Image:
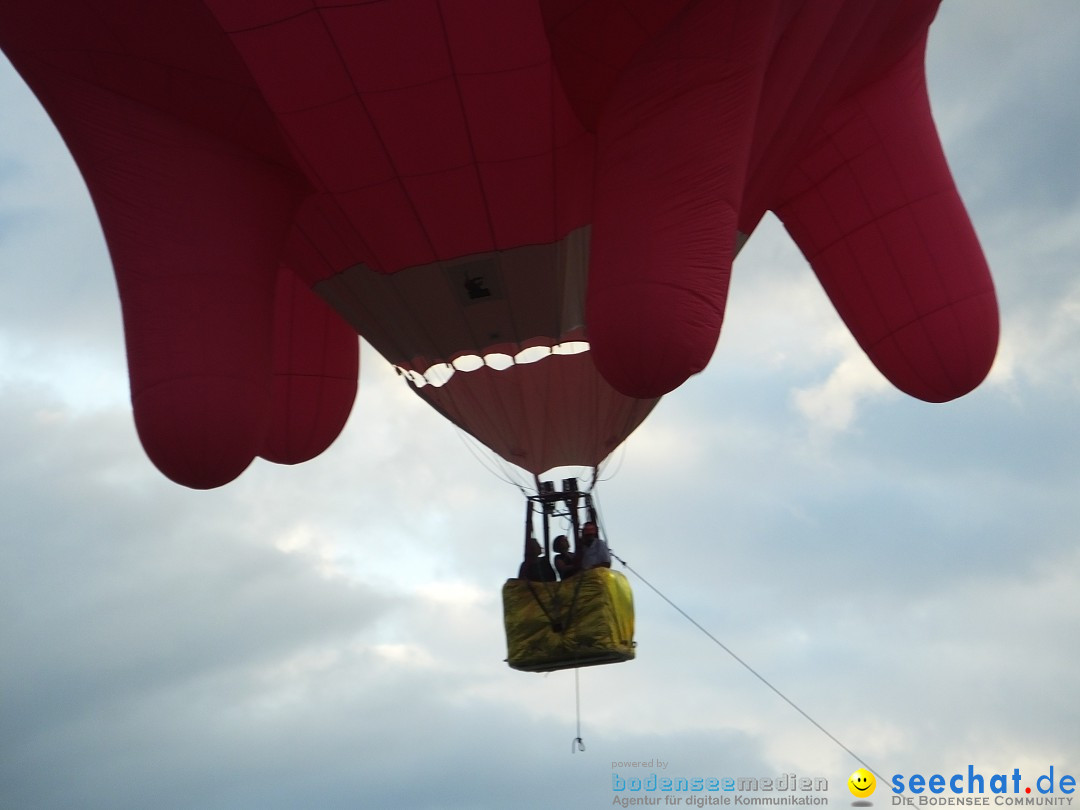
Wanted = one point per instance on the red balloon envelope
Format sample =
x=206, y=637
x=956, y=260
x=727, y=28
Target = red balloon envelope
x=477, y=185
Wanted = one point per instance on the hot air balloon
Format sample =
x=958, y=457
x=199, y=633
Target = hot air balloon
x=503, y=196
x=529, y=207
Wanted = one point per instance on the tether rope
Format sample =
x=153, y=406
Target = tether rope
x=747, y=666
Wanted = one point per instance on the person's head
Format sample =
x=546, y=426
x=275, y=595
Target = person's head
x=561, y=544
x=589, y=533
x=532, y=547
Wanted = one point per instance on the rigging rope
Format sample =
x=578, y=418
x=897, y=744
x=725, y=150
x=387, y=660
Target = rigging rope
x=498, y=466
x=578, y=744
x=749, y=668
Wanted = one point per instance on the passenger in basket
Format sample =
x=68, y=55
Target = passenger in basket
x=535, y=567
x=592, y=549
x=566, y=561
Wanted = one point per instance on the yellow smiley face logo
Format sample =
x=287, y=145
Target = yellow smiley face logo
x=861, y=783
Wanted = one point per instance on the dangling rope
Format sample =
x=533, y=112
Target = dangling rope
x=748, y=668
x=578, y=744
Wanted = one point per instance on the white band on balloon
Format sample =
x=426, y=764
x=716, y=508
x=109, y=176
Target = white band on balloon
x=439, y=374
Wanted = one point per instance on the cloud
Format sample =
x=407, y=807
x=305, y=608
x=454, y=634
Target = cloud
x=998, y=78
x=830, y=407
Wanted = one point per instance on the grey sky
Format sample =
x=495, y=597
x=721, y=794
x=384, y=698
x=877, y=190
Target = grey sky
x=330, y=636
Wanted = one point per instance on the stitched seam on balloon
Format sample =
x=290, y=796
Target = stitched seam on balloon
x=918, y=321
x=706, y=299
x=922, y=315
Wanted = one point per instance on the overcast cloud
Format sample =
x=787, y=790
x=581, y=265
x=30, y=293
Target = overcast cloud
x=329, y=636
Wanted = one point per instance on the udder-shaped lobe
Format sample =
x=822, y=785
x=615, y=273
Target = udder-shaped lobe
x=873, y=206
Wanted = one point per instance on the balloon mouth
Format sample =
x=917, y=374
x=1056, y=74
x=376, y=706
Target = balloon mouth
x=538, y=406
x=440, y=374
